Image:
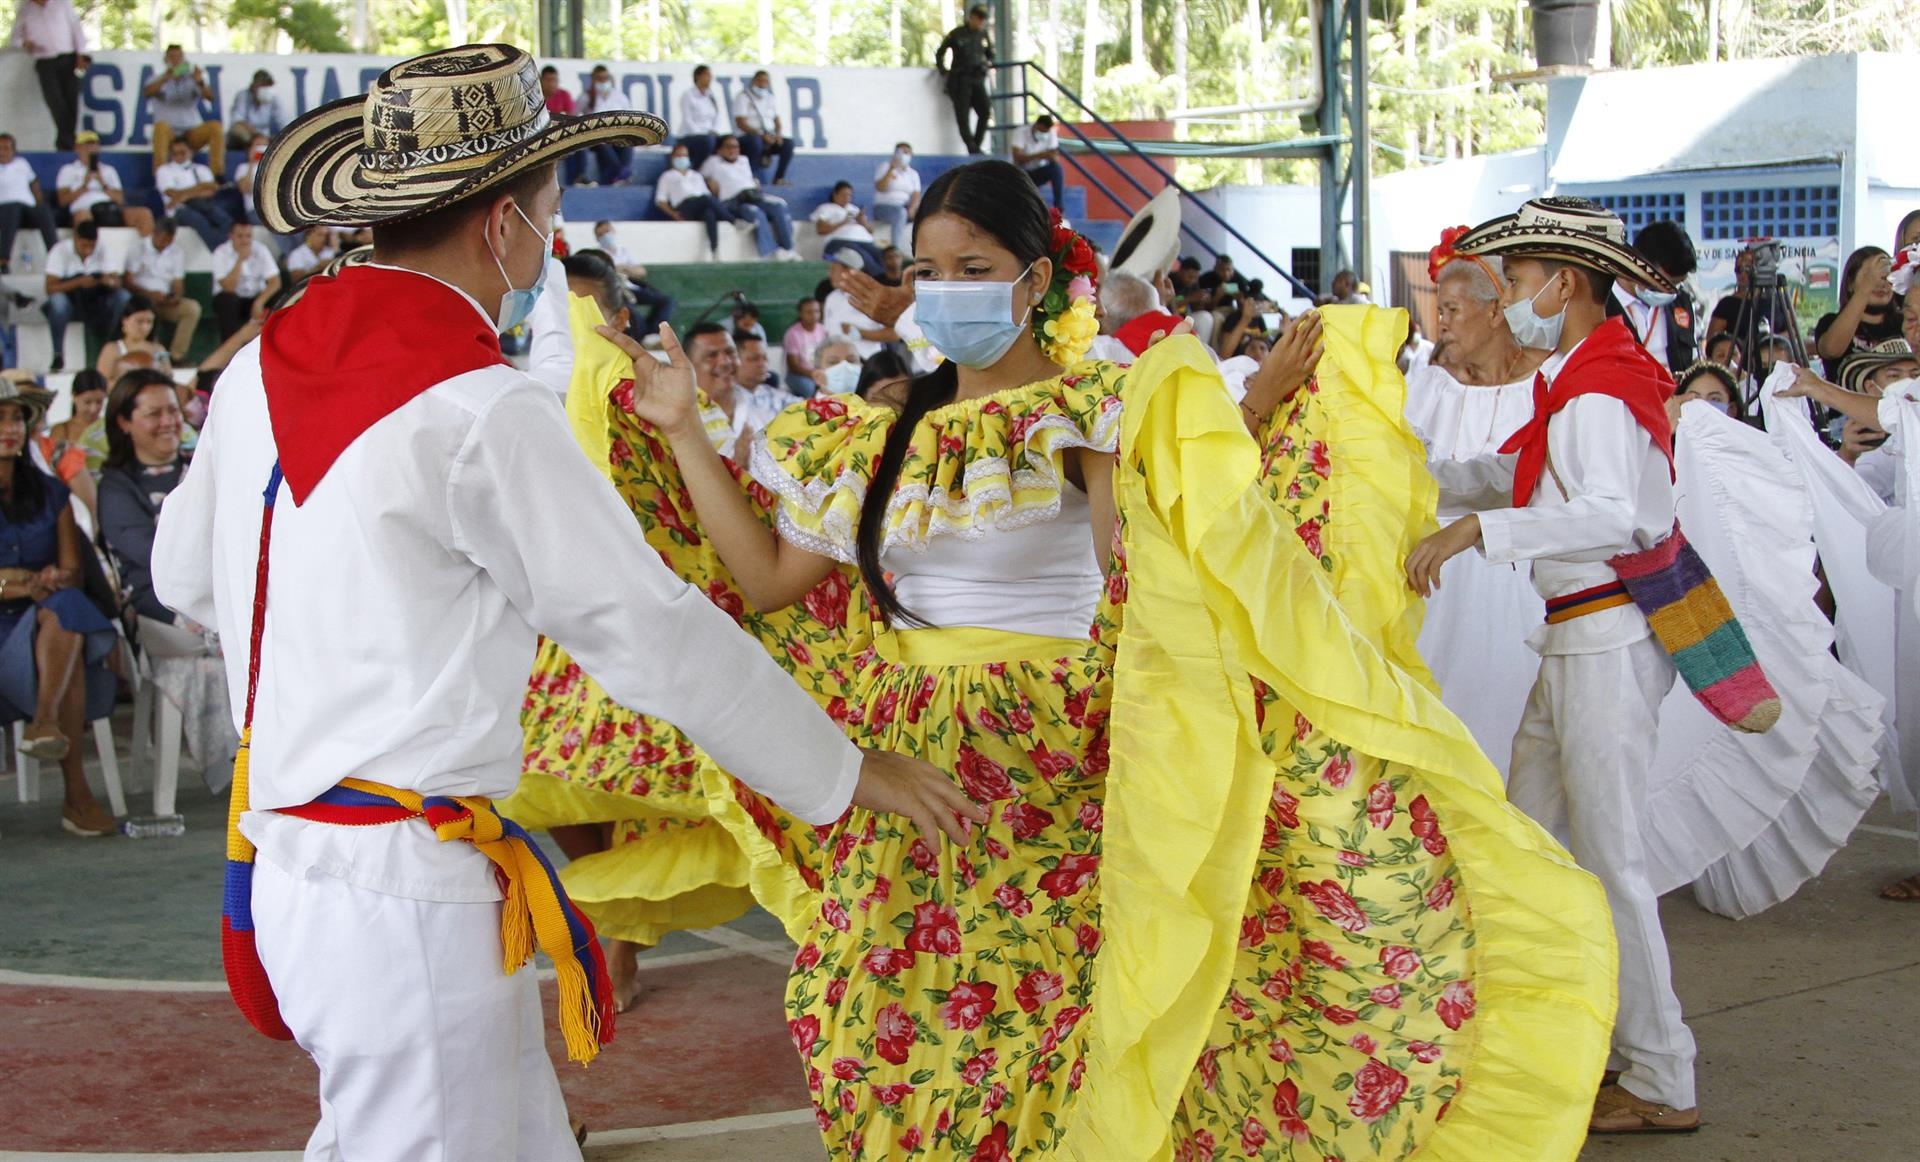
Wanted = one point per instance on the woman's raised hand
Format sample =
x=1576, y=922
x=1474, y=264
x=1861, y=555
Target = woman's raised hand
x=663, y=393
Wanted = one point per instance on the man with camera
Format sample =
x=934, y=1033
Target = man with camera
x=90, y=190
x=176, y=94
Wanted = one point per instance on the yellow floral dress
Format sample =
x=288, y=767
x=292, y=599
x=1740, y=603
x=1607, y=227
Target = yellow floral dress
x=1211, y=917
x=590, y=760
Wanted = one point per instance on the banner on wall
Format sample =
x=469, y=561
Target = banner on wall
x=1809, y=274
x=833, y=110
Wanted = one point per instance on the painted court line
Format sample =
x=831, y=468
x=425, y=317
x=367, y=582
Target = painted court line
x=779, y=954
x=113, y=984
x=1889, y=832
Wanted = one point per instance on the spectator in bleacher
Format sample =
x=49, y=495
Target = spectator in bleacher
x=884, y=380
x=893, y=265
x=243, y=176
x=896, y=192
x=315, y=251
x=612, y=164
x=175, y=95
x=802, y=339
x=88, y=188
x=746, y=317
x=702, y=121
x=22, y=202
x=1036, y=149
x=1346, y=290
x=77, y=446
x=245, y=276
x=80, y=282
x=838, y=363
x=53, y=641
x=756, y=121
x=658, y=303
x=135, y=348
x=731, y=182
x=255, y=113
x=845, y=320
x=49, y=31
x=682, y=194
x=756, y=370
x=965, y=58
x=716, y=370
x=188, y=188
x=1661, y=320
x=1867, y=317
x=845, y=227
x=157, y=271
x=559, y=101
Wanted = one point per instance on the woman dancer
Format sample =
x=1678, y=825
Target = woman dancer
x=1208, y=914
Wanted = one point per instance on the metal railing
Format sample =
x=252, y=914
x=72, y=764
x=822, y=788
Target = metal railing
x=1101, y=147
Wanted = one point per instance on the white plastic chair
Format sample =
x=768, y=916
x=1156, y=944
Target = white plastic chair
x=166, y=779
x=28, y=778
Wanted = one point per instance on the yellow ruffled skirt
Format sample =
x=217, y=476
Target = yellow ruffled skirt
x=1287, y=915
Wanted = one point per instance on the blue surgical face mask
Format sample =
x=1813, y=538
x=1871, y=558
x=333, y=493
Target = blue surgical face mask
x=518, y=302
x=1530, y=330
x=843, y=378
x=1719, y=405
x=970, y=323
x=1654, y=298
x=682, y=161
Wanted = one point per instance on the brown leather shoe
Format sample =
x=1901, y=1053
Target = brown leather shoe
x=1618, y=1111
x=87, y=822
x=44, y=742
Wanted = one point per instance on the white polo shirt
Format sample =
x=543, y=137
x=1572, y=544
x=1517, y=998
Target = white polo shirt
x=700, y=113
x=155, y=271
x=1027, y=141
x=761, y=110
x=64, y=261
x=843, y=221
x=16, y=183
x=730, y=176
x=76, y=175
x=181, y=175
x=900, y=190
x=259, y=267
x=302, y=259
x=677, y=185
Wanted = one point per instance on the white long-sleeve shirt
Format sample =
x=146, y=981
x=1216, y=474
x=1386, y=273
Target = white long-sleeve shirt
x=700, y=113
x=407, y=594
x=53, y=29
x=1618, y=496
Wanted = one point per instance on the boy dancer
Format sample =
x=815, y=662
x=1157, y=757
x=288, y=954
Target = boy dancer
x=1593, y=479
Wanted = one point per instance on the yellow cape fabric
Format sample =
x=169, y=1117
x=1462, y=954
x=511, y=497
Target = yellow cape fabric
x=1222, y=589
x=595, y=365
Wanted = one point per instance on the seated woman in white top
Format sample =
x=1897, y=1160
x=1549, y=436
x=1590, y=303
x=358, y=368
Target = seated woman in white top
x=845, y=226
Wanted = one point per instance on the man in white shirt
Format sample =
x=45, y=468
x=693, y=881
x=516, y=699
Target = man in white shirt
x=1036, y=149
x=80, y=281
x=1593, y=480
x=88, y=187
x=256, y=112
x=702, y=120
x=245, y=276
x=175, y=94
x=188, y=187
x=49, y=31
x=612, y=165
x=731, y=182
x=682, y=195
x=658, y=303
x=756, y=119
x=896, y=192
x=157, y=270
x=430, y=515
x=844, y=320
x=21, y=202
x=716, y=369
x=845, y=228
x=315, y=251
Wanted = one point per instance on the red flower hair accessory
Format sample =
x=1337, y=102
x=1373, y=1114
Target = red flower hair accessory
x=1905, y=264
x=1442, y=254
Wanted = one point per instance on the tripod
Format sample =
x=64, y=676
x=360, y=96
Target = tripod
x=1767, y=299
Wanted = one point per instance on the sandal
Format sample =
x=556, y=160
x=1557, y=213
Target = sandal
x=43, y=743
x=1905, y=891
x=87, y=822
x=1617, y=1111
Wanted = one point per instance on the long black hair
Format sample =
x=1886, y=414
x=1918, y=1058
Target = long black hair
x=29, y=496
x=121, y=401
x=996, y=197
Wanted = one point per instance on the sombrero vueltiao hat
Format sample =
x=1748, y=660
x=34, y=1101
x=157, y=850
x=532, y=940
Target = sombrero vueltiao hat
x=1151, y=241
x=18, y=387
x=359, y=256
x=431, y=131
x=1855, y=368
x=1570, y=230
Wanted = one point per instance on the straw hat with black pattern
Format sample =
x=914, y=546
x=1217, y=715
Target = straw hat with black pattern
x=1570, y=230
x=433, y=130
x=1858, y=365
x=19, y=388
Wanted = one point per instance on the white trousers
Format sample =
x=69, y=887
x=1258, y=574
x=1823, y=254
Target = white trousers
x=1580, y=764
x=428, y=1051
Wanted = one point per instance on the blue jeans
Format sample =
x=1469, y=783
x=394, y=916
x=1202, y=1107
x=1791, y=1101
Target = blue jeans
x=657, y=304
x=706, y=209
x=700, y=147
x=801, y=386
x=207, y=218
x=99, y=308
x=894, y=215
x=862, y=254
x=14, y=215
x=772, y=225
x=611, y=163
x=761, y=156
x=1050, y=173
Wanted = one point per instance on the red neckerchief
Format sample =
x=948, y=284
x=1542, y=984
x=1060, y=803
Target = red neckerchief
x=355, y=348
x=1137, y=335
x=1610, y=362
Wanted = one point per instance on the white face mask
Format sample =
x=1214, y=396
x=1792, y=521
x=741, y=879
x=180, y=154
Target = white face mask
x=1530, y=330
x=604, y=88
x=605, y=240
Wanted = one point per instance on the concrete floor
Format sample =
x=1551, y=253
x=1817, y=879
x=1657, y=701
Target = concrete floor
x=1806, y=1017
